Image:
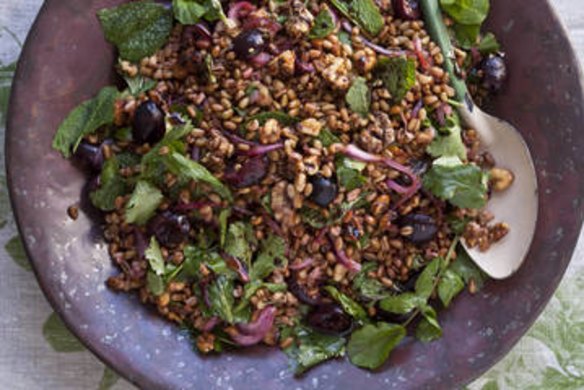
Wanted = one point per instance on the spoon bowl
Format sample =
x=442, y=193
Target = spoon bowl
x=517, y=205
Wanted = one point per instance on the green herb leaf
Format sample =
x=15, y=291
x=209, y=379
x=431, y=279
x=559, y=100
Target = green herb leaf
x=348, y=304
x=138, y=29
x=139, y=84
x=143, y=203
x=154, y=283
x=327, y=138
x=425, y=282
x=448, y=141
x=221, y=297
x=111, y=186
x=362, y=12
x=402, y=304
x=466, y=34
x=467, y=12
x=272, y=249
x=450, y=285
x=223, y=216
x=370, y=346
x=466, y=269
x=59, y=337
x=183, y=166
x=463, y=185
x=398, y=75
x=359, y=97
x=349, y=173
x=366, y=287
x=189, y=11
x=154, y=256
x=85, y=119
x=324, y=24
x=313, y=348
x=428, y=329
x=345, y=38
x=237, y=243
x=15, y=249
x=313, y=217
x=489, y=44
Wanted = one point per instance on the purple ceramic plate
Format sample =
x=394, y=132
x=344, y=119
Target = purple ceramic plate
x=66, y=61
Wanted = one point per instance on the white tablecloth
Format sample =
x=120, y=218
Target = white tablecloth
x=37, y=353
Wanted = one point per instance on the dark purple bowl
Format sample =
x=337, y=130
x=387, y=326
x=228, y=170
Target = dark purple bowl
x=66, y=60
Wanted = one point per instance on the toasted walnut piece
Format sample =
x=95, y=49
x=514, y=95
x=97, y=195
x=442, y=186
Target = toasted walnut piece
x=310, y=127
x=337, y=73
x=500, y=179
x=206, y=342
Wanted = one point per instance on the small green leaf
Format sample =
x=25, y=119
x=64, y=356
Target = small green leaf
x=16, y=251
x=398, y=75
x=489, y=44
x=154, y=256
x=111, y=186
x=154, y=283
x=359, y=97
x=466, y=34
x=221, y=297
x=327, y=138
x=139, y=84
x=324, y=24
x=402, y=304
x=365, y=13
x=108, y=379
x=348, y=304
x=428, y=329
x=143, y=203
x=468, y=12
x=425, y=282
x=313, y=348
x=273, y=248
x=450, y=285
x=237, y=243
x=349, y=173
x=59, y=337
x=463, y=185
x=223, y=216
x=466, y=269
x=368, y=288
x=370, y=346
x=189, y=11
x=138, y=29
x=448, y=141
x=85, y=119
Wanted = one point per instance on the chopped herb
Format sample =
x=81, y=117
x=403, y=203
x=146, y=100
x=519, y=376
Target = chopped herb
x=428, y=329
x=467, y=12
x=348, y=304
x=450, y=285
x=426, y=280
x=85, y=119
x=324, y=24
x=237, y=243
x=463, y=185
x=138, y=29
x=489, y=44
x=223, y=216
x=398, y=75
x=365, y=13
x=358, y=97
x=111, y=186
x=143, y=203
x=154, y=256
x=345, y=38
x=466, y=269
x=370, y=346
x=221, y=297
x=448, y=141
x=349, y=173
x=369, y=288
x=272, y=249
x=466, y=35
x=139, y=84
x=327, y=138
x=402, y=304
x=209, y=69
x=154, y=283
x=312, y=348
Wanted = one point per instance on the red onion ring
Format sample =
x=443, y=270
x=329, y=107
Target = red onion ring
x=254, y=332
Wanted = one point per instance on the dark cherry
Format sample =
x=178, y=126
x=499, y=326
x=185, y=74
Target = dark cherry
x=324, y=190
x=90, y=156
x=494, y=72
x=170, y=229
x=329, y=318
x=248, y=44
x=424, y=227
x=407, y=9
x=149, y=123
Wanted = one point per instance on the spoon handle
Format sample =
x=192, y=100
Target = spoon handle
x=435, y=26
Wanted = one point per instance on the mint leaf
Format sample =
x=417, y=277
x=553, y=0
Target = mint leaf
x=138, y=29
x=466, y=12
x=348, y=304
x=366, y=287
x=428, y=329
x=324, y=24
x=327, y=138
x=111, y=186
x=180, y=165
x=237, y=242
x=359, y=97
x=398, y=75
x=189, y=11
x=139, y=84
x=154, y=283
x=370, y=346
x=466, y=269
x=221, y=297
x=466, y=34
x=273, y=248
x=450, y=285
x=362, y=12
x=448, y=141
x=85, y=119
x=349, y=173
x=489, y=44
x=463, y=185
x=312, y=348
x=402, y=304
x=313, y=217
x=143, y=203
x=154, y=256
x=425, y=282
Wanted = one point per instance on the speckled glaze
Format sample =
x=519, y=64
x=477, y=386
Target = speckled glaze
x=66, y=60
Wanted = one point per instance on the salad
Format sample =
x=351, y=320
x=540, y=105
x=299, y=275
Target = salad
x=292, y=173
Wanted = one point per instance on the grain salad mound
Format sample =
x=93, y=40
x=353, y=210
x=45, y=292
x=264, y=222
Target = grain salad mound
x=291, y=173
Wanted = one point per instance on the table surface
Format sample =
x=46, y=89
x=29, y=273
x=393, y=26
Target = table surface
x=38, y=353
